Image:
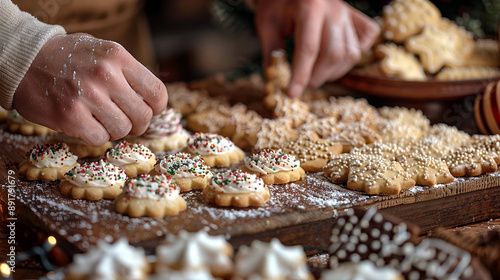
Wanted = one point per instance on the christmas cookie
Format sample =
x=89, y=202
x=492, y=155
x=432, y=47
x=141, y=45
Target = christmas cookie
x=272, y=133
x=217, y=120
x=165, y=133
x=134, y=159
x=188, y=172
x=215, y=149
x=274, y=167
x=150, y=196
x=93, y=181
x=17, y=124
x=48, y=162
x=425, y=170
x=79, y=147
x=398, y=63
x=469, y=161
x=236, y=188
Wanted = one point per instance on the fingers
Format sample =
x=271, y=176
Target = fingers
x=307, y=43
x=83, y=125
x=268, y=30
x=366, y=28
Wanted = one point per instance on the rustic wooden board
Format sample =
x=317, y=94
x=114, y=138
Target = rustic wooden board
x=298, y=213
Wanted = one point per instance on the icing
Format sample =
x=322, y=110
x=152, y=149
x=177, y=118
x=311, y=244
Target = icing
x=194, y=251
x=110, y=261
x=51, y=155
x=271, y=161
x=127, y=153
x=236, y=181
x=365, y=270
x=271, y=261
x=96, y=174
x=151, y=187
x=182, y=165
x=164, y=125
x=209, y=144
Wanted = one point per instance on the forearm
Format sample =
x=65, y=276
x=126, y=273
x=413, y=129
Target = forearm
x=21, y=38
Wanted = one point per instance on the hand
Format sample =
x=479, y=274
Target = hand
x=329, y=38
x=89, y=88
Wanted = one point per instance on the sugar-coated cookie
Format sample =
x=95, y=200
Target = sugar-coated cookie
x=237, y=189
x=187, y=171
x=273, y=133
x=150, y=196
x=133, y=158
x=426, y=170
x=93, y=181
x=398, y=63
x=215, y=149
x=48, y=162
x=274, y=167
x=469, y=161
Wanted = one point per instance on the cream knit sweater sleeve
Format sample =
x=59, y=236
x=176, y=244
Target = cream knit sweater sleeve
x=21, y=38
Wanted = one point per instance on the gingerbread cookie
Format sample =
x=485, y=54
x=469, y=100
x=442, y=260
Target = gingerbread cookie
x=93, y=181
x=134, y=159
x=79, y=147
x=398, y=63
x=274, y=167
x=405, y=18
x=48, y=162
x=165, y=133
x=215, y=149
x=187, y=171
x=150, y=196
x=313, y=152
x=272, y=134
x=237, y=189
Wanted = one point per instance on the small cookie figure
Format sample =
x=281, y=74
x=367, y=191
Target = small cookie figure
x=195, y=252
x=215, y=149
x=188, y=172
x=236, y=188
x=165, y=133
x=94, y=181
x=469, y=161
x=274, y=167
x=271, y=261
x=48, y=162
x=150, y=196
x=134, y=159
x=109, y=261
x=398, y=63
x=365, y=270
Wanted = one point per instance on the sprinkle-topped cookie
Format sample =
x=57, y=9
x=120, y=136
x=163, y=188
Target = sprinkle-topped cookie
x=127, y=153
x=182, y=165
x=235, y=181
x=164, y=125
x=96, y=174
x=51, y=155
x=151, y=187
x=209, y=144
x=271, y=161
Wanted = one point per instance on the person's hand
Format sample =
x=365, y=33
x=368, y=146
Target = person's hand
x=329, y=38
x=89, y=88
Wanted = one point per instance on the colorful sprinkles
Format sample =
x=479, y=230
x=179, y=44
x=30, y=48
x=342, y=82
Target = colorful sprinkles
x=236, y=181
x=96, y=174
x=58, y=154
x=209, y=144
x=271, y=161
x=125, y=152
x=166, y=124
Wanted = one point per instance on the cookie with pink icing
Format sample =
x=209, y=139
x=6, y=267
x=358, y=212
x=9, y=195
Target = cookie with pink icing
x=133, y=158
x=165, y=133
x=215, y=149
x=94, y=181
x=274, y=167
x=151, y=196
x=237, y=189
x=188, y=172
x=47, y=162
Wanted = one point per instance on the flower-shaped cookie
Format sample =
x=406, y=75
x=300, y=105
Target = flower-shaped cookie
x=134, y=159
x=215, y=149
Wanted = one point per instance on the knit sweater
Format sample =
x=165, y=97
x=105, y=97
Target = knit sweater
x=21, y=38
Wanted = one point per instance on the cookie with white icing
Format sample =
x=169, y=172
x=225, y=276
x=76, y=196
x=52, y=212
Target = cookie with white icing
x=133, y=158
x=274, y=167
x=109, y=261
x=93, y=181
x=79, y=147
x=188, y=172
x=195, y=252
x=271, y=260
x=237, y=189
x=215, y=149
x=165, y=133
x=48, y=162
x=150, y=196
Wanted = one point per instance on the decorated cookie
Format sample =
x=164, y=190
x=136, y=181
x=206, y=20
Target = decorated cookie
x=17, y=124
x=291, y=108
x=398, y=63
x=217, y=120
x=274, y=167
x=345, y=109
x=468, y=73
x=182, y=99
x=48, y=162
x=425, y=170
x=79, y=147
x=215, y=149
x=271, y=261
x=165, y=133
x=365, y=270
x=109, y=261
x=237, y=189
x=272, y=133
x=150, y=196
x=246, y=129
x=468, y=161
x=134, y=159
x=405, y=18
x=195, y=252
x=313, y=152
x=187, y=171
x=93, y=181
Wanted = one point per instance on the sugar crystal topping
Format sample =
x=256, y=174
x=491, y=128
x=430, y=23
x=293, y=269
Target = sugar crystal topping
x=236, y=181
x=96, y=174
x=51, y=155
x=182, y=165
x=271, y=161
